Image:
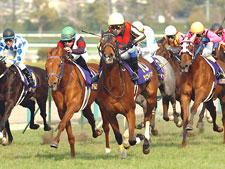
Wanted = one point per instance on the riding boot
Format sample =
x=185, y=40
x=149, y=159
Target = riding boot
x=96, y=77
x=134, y=67
x=80, y=61
x=29, y=77
x=219, y=74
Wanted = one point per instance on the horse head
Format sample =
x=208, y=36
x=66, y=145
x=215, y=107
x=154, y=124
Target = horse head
x=186, y=54
x=108, y=47
x=54, y=66
x=162, y=51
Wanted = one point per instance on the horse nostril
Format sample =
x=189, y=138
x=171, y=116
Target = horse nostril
x=186, y=66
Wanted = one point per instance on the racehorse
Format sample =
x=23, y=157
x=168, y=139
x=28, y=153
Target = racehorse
x=220, y=53
x=13, y=91
x=116, y=93
x=70, y=93
x=167, y=86
x=175, y=64
x=198, y=84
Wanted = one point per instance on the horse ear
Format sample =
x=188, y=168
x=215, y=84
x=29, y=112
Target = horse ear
x=48, y=52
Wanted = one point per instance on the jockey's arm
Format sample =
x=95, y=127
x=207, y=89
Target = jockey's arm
x=80, y=46
x=1, y=48
x=139, y=36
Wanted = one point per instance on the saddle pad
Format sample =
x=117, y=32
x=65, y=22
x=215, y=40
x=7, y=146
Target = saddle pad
x=215, y=69
x=34, y=77
x=160, y=70
x=144, y=72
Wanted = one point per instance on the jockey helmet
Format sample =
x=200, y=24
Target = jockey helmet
x=116, y=19
x=138, y=25
x=216, y=27
x=67, y=33
x=197, y=27
x=8, y=34
x=170, y=30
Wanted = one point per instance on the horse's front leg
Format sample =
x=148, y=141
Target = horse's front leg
x=71, y=138
x=65, y=118
x=185, y=101
x=90, y=117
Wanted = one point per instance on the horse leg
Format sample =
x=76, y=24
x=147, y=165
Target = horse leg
x=89, y=115
x=71, y=138
x=208, y=117
x=8, y=132
x=212, y=109
x=141, y=101
x=154, y=131
x=30, y=104
x=115, y=126
x=165, y=101
x=175, y=114
x=131, y=123
x=185, y=101
x=71, y=108
x=42, y=105
x=200, y=123
x=194, y=108
x=223, y=116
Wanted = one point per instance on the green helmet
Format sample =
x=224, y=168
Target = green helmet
x=67, y=33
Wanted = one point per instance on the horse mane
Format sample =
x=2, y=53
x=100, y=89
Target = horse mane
x=61, y=52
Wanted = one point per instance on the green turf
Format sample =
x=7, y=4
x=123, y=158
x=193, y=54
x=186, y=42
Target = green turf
x=204, y=151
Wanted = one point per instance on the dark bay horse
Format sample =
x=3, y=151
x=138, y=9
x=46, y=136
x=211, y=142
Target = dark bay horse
x=116, y=94
x=198, y=84
x=12, y=92
x=70, y=93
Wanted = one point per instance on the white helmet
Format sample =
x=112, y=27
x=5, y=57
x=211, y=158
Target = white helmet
x=138, y=25
x=116, y=19
x=170, y=30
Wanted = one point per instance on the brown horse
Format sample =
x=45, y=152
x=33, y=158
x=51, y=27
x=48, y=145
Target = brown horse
x=69, y=92
x=197, y=84
x=115, y=94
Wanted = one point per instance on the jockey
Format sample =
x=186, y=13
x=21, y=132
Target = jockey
x=128, y=36
x=17, y=47
x=75, y=46
x=206, y=38
x=173, y=39
x=218, y=29
x=149, y=46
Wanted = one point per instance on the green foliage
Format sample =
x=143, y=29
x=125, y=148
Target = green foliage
x=42, y=53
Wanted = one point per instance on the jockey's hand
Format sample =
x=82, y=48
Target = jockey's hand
x=222, y=43
x=8, y=64
x=68, y=50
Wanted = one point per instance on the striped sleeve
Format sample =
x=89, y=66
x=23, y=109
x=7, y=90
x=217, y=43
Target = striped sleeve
x=139, y=36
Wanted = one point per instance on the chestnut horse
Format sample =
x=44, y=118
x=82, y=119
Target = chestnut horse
x=70, y=93
x=13, y=91
x=198, y=85
x=115, y=94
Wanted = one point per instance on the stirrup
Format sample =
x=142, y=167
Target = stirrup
x=219, y=75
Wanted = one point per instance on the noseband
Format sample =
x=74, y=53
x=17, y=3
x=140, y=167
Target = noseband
x=61, y=69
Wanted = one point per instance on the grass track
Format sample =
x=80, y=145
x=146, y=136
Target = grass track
x=204, y=151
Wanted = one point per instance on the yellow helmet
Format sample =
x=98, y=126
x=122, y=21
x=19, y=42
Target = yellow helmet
x=138, y=25
x=116, y=19
x=197, y=27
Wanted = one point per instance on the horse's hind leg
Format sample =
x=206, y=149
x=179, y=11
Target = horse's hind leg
x=71, y=138
x=42, y=105
x=30, y=104
x=175, y=114
x=223, y=115
x=165, y=101
x=8, y=131
x=89, y=115
x=212, y=109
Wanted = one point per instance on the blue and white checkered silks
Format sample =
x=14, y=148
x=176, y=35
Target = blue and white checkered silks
x=15, y=53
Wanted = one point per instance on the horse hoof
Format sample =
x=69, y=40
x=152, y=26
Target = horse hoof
x=189, y=127
x=139, y=126
x=4, y=141
x=47, y=128
x=218, y=129
x=34, y=126
x=184, y=144
x=97, y=133
x=54, y=145
x=166, y=118
x=132, y=142
x=141, y=136
x=107, y=150
x=154, y=132
x=146, y=147
x=179, y=124
x=126, y=145
x=209, y=120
